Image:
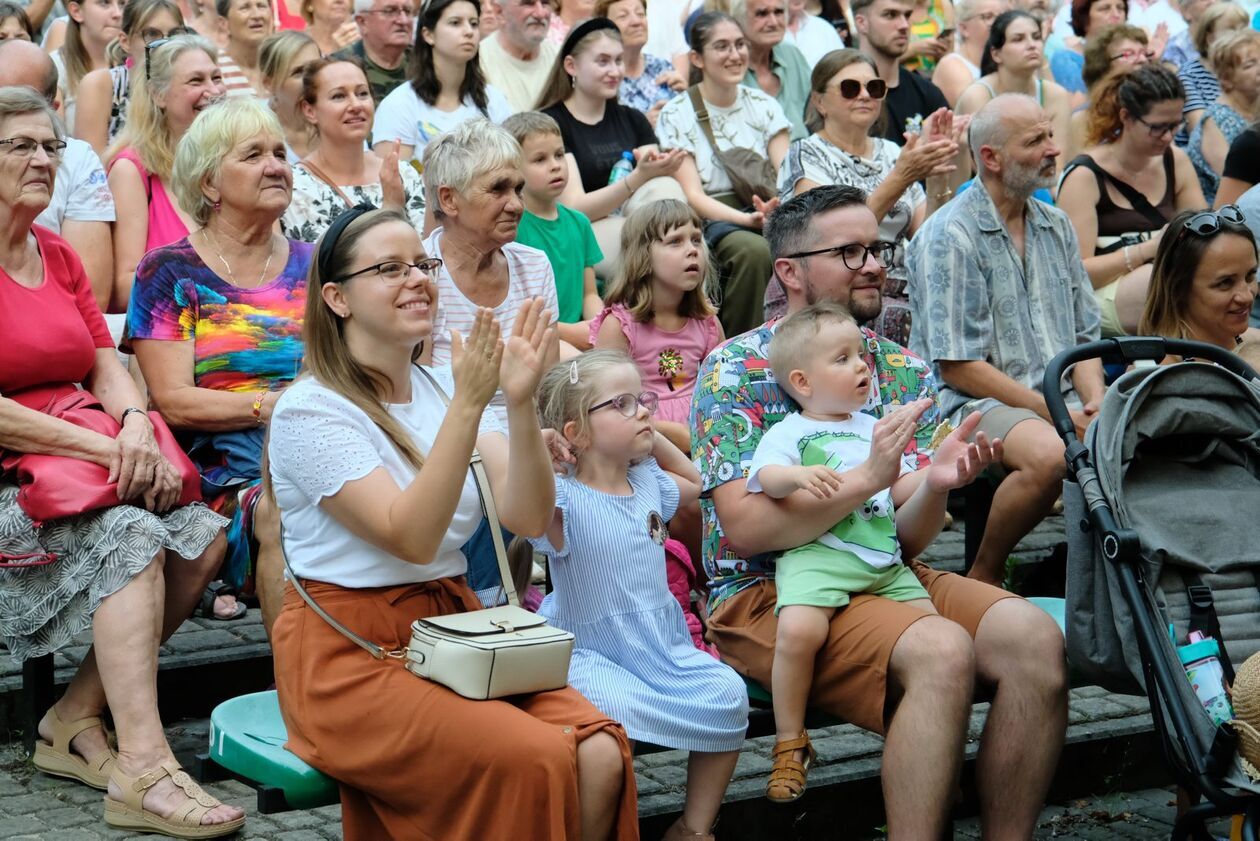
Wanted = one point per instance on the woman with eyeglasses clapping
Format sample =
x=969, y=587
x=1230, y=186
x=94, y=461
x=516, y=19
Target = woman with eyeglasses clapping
x=1123, y=189
x=846, y=101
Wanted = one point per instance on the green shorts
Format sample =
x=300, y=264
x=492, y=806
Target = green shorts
x=820, y=576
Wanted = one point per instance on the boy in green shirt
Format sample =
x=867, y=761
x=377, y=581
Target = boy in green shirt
x=563, y=234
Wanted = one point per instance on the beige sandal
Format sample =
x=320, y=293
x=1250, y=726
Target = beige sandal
x=185, y=822
x=679, y=832
x=787, y=776
x=59, y=760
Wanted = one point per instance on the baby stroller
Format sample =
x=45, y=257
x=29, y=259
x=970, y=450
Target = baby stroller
x=1161, y=504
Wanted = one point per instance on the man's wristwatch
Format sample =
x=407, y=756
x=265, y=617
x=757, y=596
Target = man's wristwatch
x=127, y=411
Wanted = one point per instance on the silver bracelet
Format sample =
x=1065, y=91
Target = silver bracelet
x=1128, y=263
x=122, y=421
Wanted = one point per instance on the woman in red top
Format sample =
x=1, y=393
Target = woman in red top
x=123, y=571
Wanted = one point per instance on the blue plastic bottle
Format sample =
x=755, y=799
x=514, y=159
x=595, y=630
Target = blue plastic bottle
x=622, y=168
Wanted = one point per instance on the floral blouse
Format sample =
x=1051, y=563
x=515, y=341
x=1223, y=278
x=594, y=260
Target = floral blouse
x=642, y=92
x=315, y=204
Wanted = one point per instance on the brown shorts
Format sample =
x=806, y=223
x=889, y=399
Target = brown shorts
x=851, y=679
x=1000, y=420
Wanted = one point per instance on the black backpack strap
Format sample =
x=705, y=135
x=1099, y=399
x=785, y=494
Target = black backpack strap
x=1203, y=616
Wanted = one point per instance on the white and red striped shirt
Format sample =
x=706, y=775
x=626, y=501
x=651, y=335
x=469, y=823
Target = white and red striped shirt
x=529, y=276
x=234, y=79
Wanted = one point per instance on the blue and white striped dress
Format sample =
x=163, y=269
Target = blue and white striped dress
x=634, y=658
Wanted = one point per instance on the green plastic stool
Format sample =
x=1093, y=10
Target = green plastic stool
x=247, y=736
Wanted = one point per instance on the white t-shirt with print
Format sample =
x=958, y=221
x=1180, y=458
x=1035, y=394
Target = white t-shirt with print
x=320, y=441
x=750, y=123
x=529, y=276
x=869, y=532
x=403, y=116
x=81, y=190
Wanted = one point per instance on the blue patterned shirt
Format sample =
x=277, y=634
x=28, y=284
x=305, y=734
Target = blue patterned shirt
x=642, y=92
x=974, y=298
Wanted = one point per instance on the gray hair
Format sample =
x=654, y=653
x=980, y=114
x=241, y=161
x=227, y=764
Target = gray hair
x=738, y=9
x=22, y=66
x=19, y=100
x=461, y=156
x=211, y=136
x=989, y=125
x=362, y=7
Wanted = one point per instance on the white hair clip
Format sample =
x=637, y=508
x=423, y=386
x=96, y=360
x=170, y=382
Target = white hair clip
x=573, y=377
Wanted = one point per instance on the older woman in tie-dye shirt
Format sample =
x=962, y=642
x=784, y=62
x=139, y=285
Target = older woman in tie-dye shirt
x=216, y=320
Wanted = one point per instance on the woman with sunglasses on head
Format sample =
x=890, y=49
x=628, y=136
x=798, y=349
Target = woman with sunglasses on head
x=181, y=78
x=447, y=86
x=340, y=172
x=92, y=27
x=1203, y=283
x=1129, y=182
x=845, y=104
x=1236, y=60
x=1012, y=63
x=102, y=111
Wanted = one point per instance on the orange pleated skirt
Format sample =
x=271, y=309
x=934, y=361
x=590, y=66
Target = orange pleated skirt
x=415, y=760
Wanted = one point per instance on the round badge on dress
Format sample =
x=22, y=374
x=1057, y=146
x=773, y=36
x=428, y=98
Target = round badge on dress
x=657, y=528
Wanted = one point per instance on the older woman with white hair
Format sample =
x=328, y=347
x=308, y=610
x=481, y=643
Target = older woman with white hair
x=216, y=318
x=116, y=551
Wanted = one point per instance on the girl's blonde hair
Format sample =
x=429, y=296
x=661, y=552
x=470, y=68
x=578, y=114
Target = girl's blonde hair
x=278, y=52
x=146, y=129
x=570, y=388
x=135, y=15
x=632, y=285
x=328, y=359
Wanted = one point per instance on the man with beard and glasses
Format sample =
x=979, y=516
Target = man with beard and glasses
x=889, y=667
x=517, y=59
x=997, y=288
x=884, y=30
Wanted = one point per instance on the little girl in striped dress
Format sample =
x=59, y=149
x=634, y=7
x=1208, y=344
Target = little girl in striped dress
x=634, y=658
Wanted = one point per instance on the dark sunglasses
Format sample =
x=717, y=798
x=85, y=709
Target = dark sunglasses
x=852, y=88
x=1208, y=222
x=150, y=46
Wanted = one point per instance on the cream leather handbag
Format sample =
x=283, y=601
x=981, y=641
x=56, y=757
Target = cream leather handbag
x=481, y=654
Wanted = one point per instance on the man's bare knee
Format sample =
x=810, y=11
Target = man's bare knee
x=1034, y=448
x=936, y=651
x=1019, y=641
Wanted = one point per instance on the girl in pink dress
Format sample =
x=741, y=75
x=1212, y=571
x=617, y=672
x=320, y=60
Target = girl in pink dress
x=657, y=309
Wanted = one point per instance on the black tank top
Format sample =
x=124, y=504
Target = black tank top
x=1117, y=224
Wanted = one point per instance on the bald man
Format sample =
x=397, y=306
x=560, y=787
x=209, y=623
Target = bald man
x=997, y=289
x=82, y=207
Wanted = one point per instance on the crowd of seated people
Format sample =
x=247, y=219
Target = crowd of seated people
x=271, y=275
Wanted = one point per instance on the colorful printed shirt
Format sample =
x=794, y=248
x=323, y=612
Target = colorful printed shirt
x=244, y=339
x=737, y=399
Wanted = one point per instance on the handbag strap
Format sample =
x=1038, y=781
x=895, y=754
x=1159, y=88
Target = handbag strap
x=323, y=176
x=487, y=505
x=377, y=651
x=702, y=117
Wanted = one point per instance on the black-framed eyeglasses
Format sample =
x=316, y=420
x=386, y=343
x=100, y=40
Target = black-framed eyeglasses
x=628, y=404
x=852, y=88
x=854, y=254
x=24, y=147
x=151, y=36
x=396, y=272
x=1208, y=222
x=1158, y=130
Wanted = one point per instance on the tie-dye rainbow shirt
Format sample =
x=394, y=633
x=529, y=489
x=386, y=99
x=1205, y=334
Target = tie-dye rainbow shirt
x=244, y=339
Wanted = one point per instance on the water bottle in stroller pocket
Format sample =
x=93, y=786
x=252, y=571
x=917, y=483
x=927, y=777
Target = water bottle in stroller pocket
x=1201, y=660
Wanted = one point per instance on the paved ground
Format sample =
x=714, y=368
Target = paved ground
x=36, y=807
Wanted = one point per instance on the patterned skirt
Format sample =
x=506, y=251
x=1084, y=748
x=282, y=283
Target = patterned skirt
x=43, y=607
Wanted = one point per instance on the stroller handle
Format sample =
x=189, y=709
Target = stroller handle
x=1127, y=349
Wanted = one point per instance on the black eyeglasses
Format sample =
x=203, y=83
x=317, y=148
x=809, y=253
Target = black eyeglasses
x=149, y=36
x=1158, y=130
x=854, y=254
x=852, y=88
x=396, y=272
x=628, y=404
x=1208, y=222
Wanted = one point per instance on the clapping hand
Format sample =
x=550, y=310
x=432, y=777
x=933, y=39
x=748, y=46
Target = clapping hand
x=762, y=208
x=393, y=196
x=475, y=362
x=957, y=463
x=889, y=441
x=531, y=349
x=656, y=163
x=346, y=34
x=922, y=158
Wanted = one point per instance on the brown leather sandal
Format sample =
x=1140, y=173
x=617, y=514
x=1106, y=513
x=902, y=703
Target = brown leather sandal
x=787, y=776
x=56, y=758
x=184, y=822
x=679, y=832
